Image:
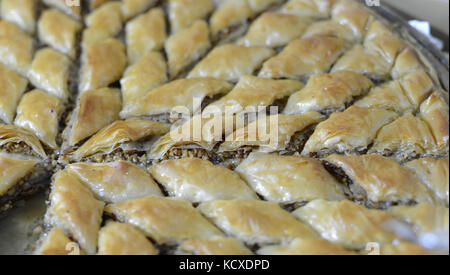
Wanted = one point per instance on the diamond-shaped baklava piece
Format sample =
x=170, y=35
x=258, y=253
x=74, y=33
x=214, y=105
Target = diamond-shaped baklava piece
x=145, y=33
x=377, y=181
x=50, y=72
x=167, y=221
x=131, y=8
x=328, y=93
x=434, y=174
x=214, y=246
x=116, y=181
x=198, y=180
x=20, y=12
x=305, y=247
x=59, y=31
x=425, y=218
x=12, y=87
x=120, y=135
x=406, y=138
x=102, y=64
x=273, y=133
x=289, y=179
x=56, y=243
x=39, y=112
x=183, y=13
x=230, y=62
x=124, y=239
x=16, y=48
x=406, y=62
x=74, y=209
x=181, y=92
x=186, y=47
x=95, y=109
x=310, y=8
x=255, y=222
x=254, y=92
x=141, y=77
x=304, y=57
x=351, y=131
x=72, y=8
x=347, y=223
x=330, y=28
x=352, y=16
x=17, y=140
x=273, y=29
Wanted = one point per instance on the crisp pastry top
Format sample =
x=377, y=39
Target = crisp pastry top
x=95, y=109
x=355, y=128
x=304, y=57
x=122, y=131
x=132, y=8
x=255, y=222
x=39, y=113
x=16, y=48
x=20, y=12
x=262, y=133
x=380, y=179
x=305, y=247
x=289, y=179
x=406, y=62
x=12, y=170
x=123, y=239
x=145, y=33
x=12, y=87
x=56, y=242
x=73, y=10
x=181, y=92
x=74, y=209
x=214, y=246
x=10, y=134
x=230, y=62
x=198, y=180
x=310, y=8
x=183, y=13
x=332, y=220
x=115, y=182
x=328, y=92
x=434, y=174
x=167, y=221
x=254, y=92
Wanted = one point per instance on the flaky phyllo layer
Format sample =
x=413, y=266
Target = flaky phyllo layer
x=221, y=127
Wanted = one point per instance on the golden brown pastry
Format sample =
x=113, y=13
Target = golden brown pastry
x=350, y=131
x=305, y=247
x=93, y=4
x=254, y=92
x=106, y=21
x=50, y=72
x=145, y=33
x=274, y=29
x=304, y=57
x=229, y=62
x=183, y=13
x=12, y=87
x=379, y=181
x=214, y=246
x=333, y=219
x=330, y=28
x=198, y=180
x=16, y=48
x=56, y=243
x=270, y=133
x=434, y=174
x=141, y=77
x=95, y=109
x=310, y=8
x=12, y=170
x=20, y=12
x=18, y=140
x=181, y=92
x=406, y=62
x=120, y=132
x=39, y=112
x=59, y=31
x=102, y=64
x=131, y=8
x=116, y=181
x=417, y=86
x=255, y=222
x=72, y=10
x=289, y=179
x=328, y=93
x=187, y=46
x=167, y=221
x=123, y=239
x=352, y=16
x=74, y=209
